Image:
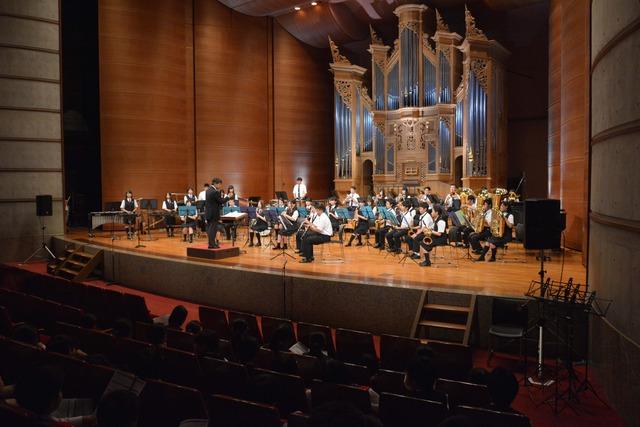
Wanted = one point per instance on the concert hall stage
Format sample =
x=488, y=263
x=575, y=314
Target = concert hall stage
x=370, y=290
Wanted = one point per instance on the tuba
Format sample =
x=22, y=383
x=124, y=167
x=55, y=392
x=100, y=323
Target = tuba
x=477, y=222
x=497, y=223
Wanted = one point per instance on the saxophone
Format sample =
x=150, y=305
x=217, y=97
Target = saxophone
x=497, y=223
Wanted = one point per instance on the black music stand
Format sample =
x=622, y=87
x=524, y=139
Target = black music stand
x=148, y=205
x=112, y=207
x=281, y=195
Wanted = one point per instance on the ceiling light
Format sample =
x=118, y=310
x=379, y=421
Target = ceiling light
x=297, y=8
x=314, y=3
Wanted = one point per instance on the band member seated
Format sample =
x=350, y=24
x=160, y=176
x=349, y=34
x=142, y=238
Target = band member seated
x=170, y=207
x=129, y=206
x=203, y=194
x=317, y=231
x=397, y=233
x=229, y=228
x=231, y=195
x=351, y=201
x=494, y=242
x=287, y=226
x=438, y=234
x=311, y=214
x=189, y=223
x=462, y=232
x=404, y=194
x=258, y=225
x=482, y=235
x=381, y=233
x=336, y=221
x=213, y=205
x=425, y=222
x=190, y=197
x=452, y=201
x=299, y=190
x=362, y=227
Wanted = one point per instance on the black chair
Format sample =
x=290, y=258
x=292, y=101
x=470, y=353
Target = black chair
x=325, y=392
x=214, y=319
x=490, y=418
x=509, y=321
x=289, y=395
x=396, y=351
x=271, y=324
x=386, y=381
x=165, y=404
x=463, y=393
x=354, y=346
x=404, y=411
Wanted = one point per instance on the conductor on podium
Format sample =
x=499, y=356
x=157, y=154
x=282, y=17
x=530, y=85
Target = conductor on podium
x=212, y=207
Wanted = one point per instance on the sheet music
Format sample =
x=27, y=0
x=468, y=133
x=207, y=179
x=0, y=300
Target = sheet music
x=234, y=215
x=125, y=381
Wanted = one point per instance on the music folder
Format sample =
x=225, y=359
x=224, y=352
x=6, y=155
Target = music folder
x=187, y=210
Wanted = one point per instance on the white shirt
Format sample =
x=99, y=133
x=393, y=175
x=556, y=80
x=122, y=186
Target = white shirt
x=164, y=205
x=426, y=221
x=323, y=223
x=299, y=191
x=448, y=201
x=202, y=195
x=185, y=197
x=353, y=199
x=510, y=219
x=135, y=204
x=441, y=226
x=487, y=218
x=407, y=220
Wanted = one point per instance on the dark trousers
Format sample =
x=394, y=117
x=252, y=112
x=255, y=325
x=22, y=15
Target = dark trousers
x=310, y=239
x=475, y=238
x=394, y=238
x=381, y=233
x=435, y=241
x=499, y=242
x=212, y=230
x=415, y=241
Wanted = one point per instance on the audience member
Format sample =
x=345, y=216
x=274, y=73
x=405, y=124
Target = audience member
x=281, y=340
x=27, y=334
x=177, y=317
x=119, y=408
x=246, y=349
x=478, y=376
x=503, y=389
x=157, y=335
x=193, y=327
x=121, y=328
x=420, y=378
x=317, y=345
x=207, y=344
x=341, y=414
x=335, y=371
x=88, y=321
x=64, y=344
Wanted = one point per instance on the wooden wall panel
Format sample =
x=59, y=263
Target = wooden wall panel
x=232, y=98
x=146, y=94
x=568, y=114
x=302, y=114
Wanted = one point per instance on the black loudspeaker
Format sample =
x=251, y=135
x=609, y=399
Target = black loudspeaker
x=542, y=224
x=44, y=205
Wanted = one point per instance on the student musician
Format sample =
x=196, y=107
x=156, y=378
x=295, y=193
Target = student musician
x=438, y=234
x=494, y=242
x=299, y=190
x=190, y=197
x=231, y=194
x=470, y=213
x=425, y=222
x=380, y=197
x=203, y=194
x=404, y=195
x=336, y=221
x=381, y=233
x=170, y=207
x=362, y=226
x=129, y=206
x=482, y=235
x=317, y=231
x=397, y=233
x=351, y=201
x=259, y=225
x=287, y=226
x=311, y=214
x=189, y=223
x=230, y=228
x=450, y=203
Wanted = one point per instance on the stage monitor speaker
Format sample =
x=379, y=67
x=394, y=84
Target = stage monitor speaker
x=44, y=205
x=542, y=224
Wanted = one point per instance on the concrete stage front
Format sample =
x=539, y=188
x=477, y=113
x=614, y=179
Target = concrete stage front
x=370, y=291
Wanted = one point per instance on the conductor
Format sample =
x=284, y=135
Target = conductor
x=213, y=204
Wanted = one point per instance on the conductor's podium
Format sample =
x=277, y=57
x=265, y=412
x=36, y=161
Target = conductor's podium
x=202, y=251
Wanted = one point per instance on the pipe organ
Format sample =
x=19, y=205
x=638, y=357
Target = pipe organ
x=436, y=115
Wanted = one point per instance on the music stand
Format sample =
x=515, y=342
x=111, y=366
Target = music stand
x=253, y=200
x=148, y=205
x=367, y=212
x=281, y=195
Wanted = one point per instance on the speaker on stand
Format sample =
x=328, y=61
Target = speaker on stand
x=44, y=208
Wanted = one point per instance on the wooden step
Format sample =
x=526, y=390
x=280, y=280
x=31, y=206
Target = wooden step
x=443, y=307
x=84, y=254
x=443, y=325
x=76, y=263
x=68, y=271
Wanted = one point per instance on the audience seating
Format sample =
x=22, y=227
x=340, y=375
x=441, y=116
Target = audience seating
x=358, y=374
x=297, y=419
x=89, y=340
x=180, y=340
x=324, y=392
x=252, y=322
x=402, y=411
x=16, y=417
x=232, y=412
x=395, y=351
x=214, y=319
x=451, y=361
x=290, y=394
x=463, y=393
x=306, y=329
x=6, y=324
x=386, y=381
x=179, y=367
x=354, y=346
x=223, y=377
x=165, y=404
x=490, y=418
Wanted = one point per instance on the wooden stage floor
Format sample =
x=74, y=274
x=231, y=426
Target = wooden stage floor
x=452, y=270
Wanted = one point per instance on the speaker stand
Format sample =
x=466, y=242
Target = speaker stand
x=43, y=247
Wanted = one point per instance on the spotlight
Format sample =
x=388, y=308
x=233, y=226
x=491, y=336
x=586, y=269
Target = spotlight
x=314, y=3
x=297, y=8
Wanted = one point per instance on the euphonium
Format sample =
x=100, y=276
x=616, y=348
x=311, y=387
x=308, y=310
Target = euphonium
x=497, y=223
x=478, y=222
